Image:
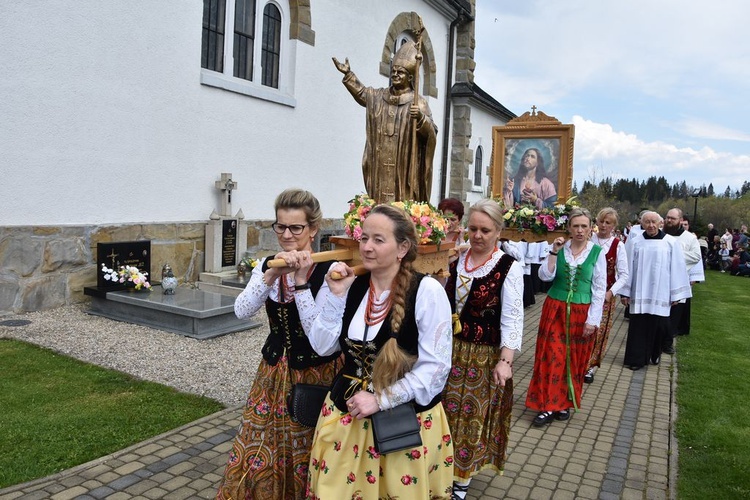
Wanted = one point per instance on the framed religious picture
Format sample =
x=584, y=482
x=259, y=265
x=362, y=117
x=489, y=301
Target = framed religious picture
x=532, y=161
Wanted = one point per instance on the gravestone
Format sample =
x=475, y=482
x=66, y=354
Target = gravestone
x=124, y=253
x=226, y=236
x=116, y=254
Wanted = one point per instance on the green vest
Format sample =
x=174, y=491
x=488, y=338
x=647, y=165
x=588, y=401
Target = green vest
x=578, y=286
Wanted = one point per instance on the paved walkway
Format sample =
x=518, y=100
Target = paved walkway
x=619, y=445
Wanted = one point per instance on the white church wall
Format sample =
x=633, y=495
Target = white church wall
x=482, y=122
x=105, y=120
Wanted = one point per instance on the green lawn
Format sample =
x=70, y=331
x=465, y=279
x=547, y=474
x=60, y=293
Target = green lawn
x=57, y=412
x=713, y=392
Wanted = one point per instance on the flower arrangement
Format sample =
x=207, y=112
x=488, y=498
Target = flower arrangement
x=249, y=262
x=529, y=218
x=128, y=276
x=359, y=207
x=429, y=221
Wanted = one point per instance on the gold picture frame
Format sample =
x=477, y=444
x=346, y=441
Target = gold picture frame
x=553, y=142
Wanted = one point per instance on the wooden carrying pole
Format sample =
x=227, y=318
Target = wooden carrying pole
x=338, y=254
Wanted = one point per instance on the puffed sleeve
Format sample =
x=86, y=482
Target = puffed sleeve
x=598, y=290
x=511, y=318
x=622, y=270
x=253, y=296
x=324, y=331
x=308, y=306
x=430, y=372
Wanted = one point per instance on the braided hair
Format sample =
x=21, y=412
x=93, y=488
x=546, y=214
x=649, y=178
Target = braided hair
x=393, y=362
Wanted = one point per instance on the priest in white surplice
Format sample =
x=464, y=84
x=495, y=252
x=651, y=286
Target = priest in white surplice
x=658, y=278
x=691, y=252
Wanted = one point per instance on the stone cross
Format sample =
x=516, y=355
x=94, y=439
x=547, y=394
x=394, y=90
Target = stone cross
x=226, y=184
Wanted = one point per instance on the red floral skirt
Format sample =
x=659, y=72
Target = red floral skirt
x=548, y=389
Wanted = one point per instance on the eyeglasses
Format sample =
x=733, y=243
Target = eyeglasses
x=295, y=229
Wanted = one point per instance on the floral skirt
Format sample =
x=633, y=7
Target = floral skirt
x=478, y=410
x=548, y=389
x=602, y=335
x=345, y=465
x=270, y=453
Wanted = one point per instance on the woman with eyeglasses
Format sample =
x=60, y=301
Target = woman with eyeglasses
x=271, y=452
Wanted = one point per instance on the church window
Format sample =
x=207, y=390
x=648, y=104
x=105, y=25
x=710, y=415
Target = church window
x=252, y=57
x=478, y=166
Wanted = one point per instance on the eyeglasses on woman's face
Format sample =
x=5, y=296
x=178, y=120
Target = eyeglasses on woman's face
x=295, y=229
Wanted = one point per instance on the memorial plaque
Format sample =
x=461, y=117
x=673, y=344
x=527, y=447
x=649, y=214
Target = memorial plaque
x=228, y=242
x=124, y=253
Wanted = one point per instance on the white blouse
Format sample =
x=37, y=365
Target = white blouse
x=257, y=292
x=511, y=316
x=598, y=280
x=621, y=261
x=433, y=317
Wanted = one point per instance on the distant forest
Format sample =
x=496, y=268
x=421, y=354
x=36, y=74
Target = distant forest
x=701, y=204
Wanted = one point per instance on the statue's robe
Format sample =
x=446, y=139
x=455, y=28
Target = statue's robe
x=386, y=161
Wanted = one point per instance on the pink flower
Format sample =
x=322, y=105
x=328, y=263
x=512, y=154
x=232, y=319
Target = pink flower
x=406, y=480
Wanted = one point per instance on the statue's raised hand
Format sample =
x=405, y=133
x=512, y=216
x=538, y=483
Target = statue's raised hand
x=343, y=67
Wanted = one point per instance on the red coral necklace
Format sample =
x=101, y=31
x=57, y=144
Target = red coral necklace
x=468, y=259
x=375, y=311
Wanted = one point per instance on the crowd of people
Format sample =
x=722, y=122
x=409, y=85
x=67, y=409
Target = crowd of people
x=384, y=338
x=728, y=253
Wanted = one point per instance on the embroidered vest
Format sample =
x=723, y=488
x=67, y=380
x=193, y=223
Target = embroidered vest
x=611, y=257
x=580, y=284
x=358, y=357
x=480, y=316
x=286, y=329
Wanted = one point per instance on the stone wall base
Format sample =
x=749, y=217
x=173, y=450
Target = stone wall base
x=43, y=267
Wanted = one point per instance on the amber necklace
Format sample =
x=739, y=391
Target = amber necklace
x=468, y=259
x=375, y=311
